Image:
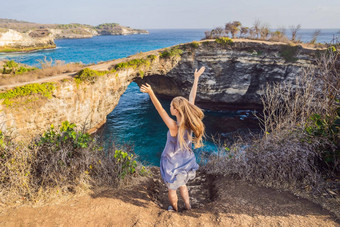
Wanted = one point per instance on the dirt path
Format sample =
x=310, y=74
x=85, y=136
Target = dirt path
x=215, y=201
x=102, y=66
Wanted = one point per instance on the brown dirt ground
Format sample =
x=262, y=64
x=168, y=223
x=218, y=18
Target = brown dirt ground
x=216, y=201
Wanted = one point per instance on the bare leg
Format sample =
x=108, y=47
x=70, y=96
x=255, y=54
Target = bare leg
x=185, y=195
x=173, y=198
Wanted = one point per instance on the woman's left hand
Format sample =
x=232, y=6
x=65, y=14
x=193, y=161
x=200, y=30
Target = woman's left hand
x=146, y=88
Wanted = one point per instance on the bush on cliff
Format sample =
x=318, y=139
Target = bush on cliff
x=27, y=93
x=225, y=41
x=12, y=67
x=172, y=52
x=132, y=64
x=289, y=53
x=135, y=63
x=195, y=44
x=62, y=160
x=88, y=75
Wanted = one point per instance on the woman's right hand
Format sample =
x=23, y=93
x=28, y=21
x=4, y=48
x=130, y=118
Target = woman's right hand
x=146, y=88
x=199, y=72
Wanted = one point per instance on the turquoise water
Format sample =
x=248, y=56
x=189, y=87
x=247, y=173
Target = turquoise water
x=135, y=121
x=103, y=48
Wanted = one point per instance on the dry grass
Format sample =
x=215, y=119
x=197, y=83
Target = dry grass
x=47, y=70
x=283, y=160
x=315, y=91
x=61, y=163
x=287, y=156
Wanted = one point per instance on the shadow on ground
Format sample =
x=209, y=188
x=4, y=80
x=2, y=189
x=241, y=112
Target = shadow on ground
x=218, y=195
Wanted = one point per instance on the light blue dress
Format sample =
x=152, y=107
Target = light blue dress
x=177, y=166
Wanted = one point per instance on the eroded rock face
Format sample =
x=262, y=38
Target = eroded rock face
x=37, y=38
x=81, y=104
x=26, y=36
x=234, y=76
x=85, y=104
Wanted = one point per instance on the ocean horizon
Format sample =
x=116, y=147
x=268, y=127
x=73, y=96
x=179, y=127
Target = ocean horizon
x=110, y=47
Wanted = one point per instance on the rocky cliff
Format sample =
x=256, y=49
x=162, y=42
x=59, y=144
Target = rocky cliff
x=71, y=31
x=85, y=100
x=235, y=73
x=234, y=76
x=11, y=40
x=27, y=36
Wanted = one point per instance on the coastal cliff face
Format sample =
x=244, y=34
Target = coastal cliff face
x=73, y=34
x=27, y=36
x=83, y=103
x=235, y=74
x=84, y=31
x=234, y=77
x=34, y=39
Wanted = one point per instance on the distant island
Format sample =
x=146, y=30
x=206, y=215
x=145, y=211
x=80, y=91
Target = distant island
x=23, y=36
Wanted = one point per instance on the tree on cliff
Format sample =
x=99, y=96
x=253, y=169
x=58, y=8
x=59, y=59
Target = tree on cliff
x=232, y=27
x=218, y=32
x=264, y=31
x=252, y=33
x=294, y=30
x=256, y=27
x=214, y=33
x=244, y=31
x=316, y=33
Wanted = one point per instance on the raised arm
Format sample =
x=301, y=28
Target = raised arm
x=170, y=123
x=193, y=91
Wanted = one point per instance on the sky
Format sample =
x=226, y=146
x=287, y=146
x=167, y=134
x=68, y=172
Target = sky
x=148, y=14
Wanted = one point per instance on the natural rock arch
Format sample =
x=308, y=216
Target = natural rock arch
x=233, y=79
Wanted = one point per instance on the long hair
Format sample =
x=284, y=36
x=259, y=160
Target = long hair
x=191, y=119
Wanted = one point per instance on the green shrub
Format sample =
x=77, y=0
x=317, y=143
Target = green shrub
x=329, y=128
x=195, y=44
x=121, y=65
x=89, y=75
x=22, y=70
x=135, y=63
x=12, y=67
x=173, y=52
x=289, y=53
x=67, y=134
x=331, y=49
x=125, y=162
x=152, y=57
x=64, y=160
x=66, y=157
x=141, y=74
x=144, y=171
x=107, y=26
x=225, y=41
x=44, y=89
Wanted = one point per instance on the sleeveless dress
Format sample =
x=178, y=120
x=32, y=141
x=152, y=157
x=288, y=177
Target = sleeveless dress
x=177, y=166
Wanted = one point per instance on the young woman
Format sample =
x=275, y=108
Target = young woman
x=178, y=162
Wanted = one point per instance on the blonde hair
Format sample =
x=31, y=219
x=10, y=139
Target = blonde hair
x=191, y=119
